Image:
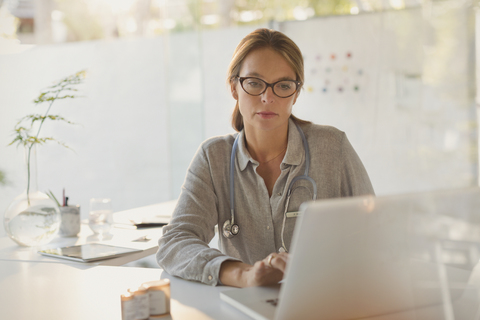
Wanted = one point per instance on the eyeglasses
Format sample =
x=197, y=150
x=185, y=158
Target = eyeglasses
x=255, y=86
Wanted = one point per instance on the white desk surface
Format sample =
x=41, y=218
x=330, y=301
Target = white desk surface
x=164, y=209
x=56, y=291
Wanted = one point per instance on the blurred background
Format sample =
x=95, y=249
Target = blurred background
x=398, y=76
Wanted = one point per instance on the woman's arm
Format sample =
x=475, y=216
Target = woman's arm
x=183, y=248
x=268, y=271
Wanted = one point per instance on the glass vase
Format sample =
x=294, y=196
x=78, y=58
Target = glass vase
x=32, y=219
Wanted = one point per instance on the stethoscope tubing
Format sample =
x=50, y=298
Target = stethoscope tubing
x=232, y=177
x=230, y=229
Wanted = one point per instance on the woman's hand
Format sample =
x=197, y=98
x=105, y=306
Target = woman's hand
x=265, y=272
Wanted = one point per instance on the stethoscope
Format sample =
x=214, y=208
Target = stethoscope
x=230, y=228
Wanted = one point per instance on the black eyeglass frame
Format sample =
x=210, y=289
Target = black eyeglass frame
x=271, y=85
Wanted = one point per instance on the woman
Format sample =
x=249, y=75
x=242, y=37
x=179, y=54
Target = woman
x=265, y=76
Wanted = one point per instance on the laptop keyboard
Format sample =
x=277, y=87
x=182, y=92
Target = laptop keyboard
x=273, y=302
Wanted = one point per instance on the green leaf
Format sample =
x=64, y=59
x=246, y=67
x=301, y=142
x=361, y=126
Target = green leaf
x=3, y=180
x=19, y=139
x=38, y=117
x=52, y=196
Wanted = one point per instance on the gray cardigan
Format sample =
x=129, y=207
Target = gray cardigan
x=205, y=201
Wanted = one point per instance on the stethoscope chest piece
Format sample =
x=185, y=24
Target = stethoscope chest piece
x=230, y=230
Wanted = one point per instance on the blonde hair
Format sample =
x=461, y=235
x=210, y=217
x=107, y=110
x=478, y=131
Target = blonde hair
x=265, y=38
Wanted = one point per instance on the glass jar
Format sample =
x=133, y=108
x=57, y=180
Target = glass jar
x=32, y=218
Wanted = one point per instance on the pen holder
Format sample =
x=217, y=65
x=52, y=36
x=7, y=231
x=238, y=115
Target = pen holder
x=70, y=221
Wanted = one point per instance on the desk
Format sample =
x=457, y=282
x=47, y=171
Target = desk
x=164, y=210
x=57, y=291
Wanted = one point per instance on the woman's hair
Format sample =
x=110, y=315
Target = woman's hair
x=259, y=39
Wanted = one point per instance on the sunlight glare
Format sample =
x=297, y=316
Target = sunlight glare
x=397, y=4
x=119, y=5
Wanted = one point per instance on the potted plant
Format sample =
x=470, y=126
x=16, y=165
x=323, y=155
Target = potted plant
x=33, y=218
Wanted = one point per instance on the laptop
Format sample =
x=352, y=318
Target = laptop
x=363, y=257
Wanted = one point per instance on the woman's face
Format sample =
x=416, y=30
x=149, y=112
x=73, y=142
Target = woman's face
x=266, y=111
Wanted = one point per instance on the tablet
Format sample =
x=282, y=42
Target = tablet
x=88, y=252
